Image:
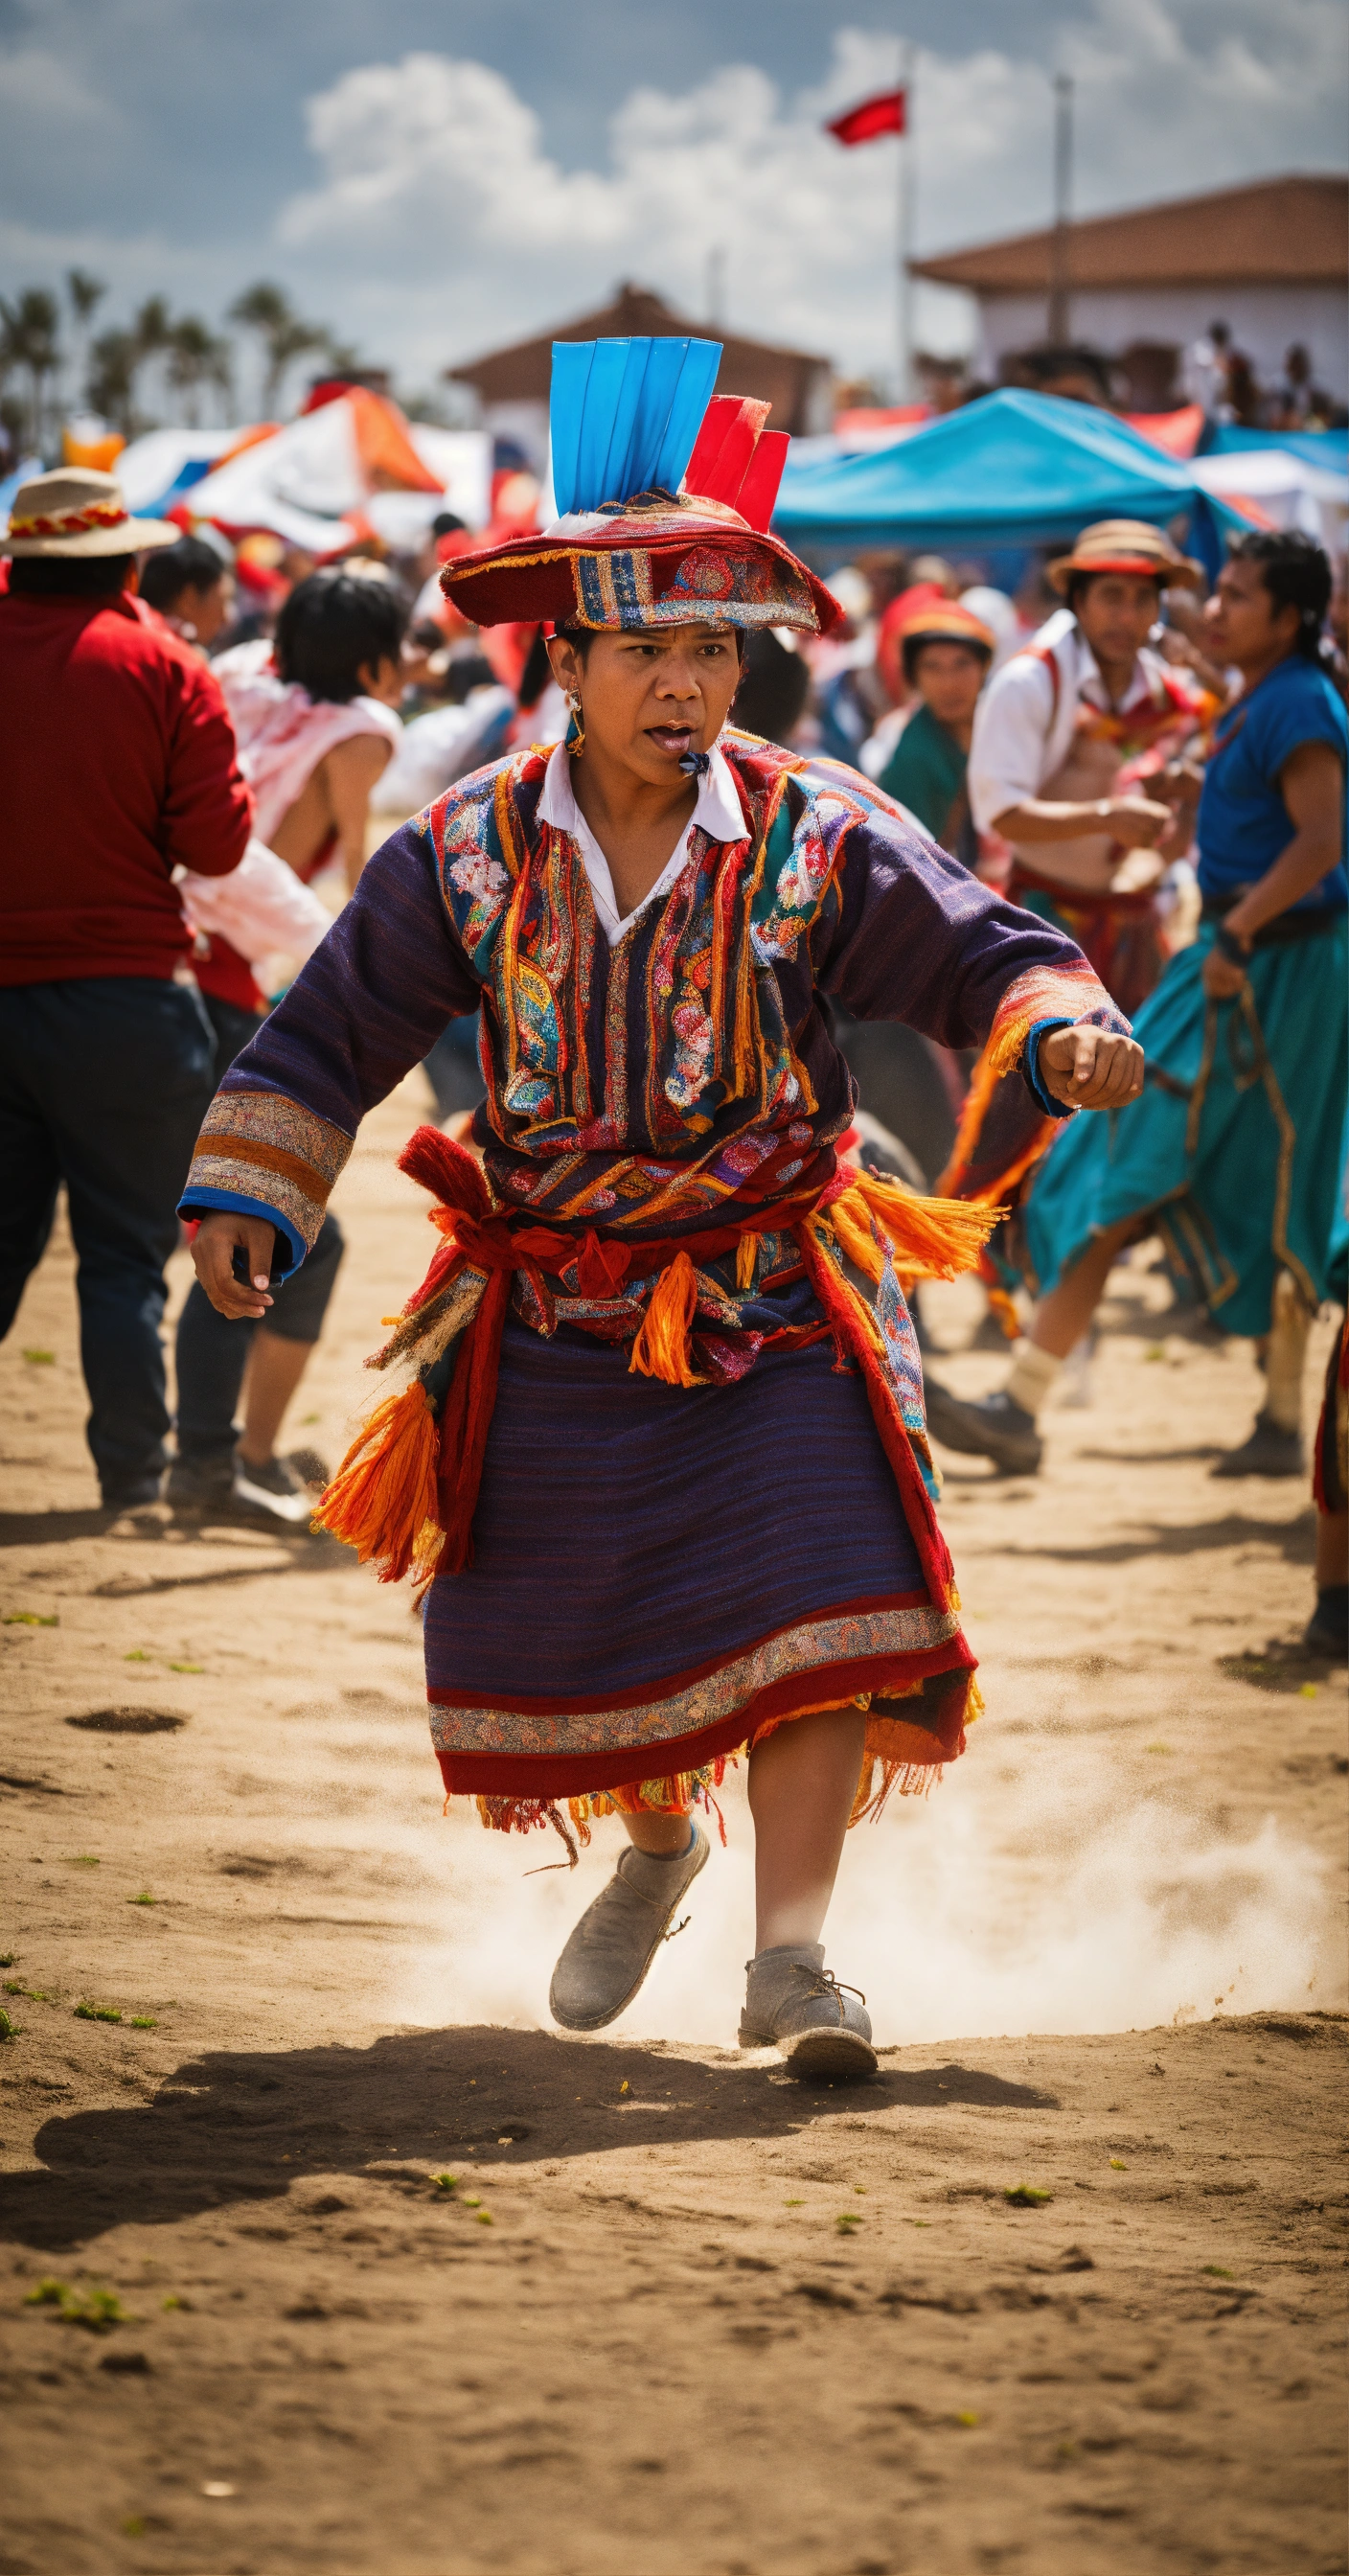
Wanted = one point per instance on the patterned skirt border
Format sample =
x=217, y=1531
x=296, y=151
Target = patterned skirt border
x=933, y=1735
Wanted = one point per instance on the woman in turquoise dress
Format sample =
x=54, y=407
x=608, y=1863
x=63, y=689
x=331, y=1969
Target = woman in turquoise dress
x=1231, y=1154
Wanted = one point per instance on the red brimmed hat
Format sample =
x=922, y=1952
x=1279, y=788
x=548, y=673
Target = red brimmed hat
x=665, y=499
x=1129, y=545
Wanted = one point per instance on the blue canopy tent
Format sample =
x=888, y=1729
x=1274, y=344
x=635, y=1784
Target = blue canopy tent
x=1328, y=447
x=1014, y=469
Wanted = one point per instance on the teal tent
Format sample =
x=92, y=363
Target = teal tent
x=1011, y=469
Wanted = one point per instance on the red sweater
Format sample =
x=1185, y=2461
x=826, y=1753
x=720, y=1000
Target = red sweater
x=117, y=764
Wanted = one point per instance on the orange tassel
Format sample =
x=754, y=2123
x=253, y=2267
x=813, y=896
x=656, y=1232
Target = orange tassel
x=932, y=1238
x=662, y=1348
x=382, y=1501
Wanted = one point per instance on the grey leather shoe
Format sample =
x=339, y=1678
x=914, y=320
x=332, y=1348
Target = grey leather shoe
x=605, y=1962
x=1270, y=1451
x=794, y=2003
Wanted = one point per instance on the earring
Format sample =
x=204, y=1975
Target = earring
x=576, y=738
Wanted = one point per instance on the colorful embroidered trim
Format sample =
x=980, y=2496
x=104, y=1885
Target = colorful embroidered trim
x=295, y=1155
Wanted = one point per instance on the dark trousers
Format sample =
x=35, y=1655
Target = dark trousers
x=104, y=1082
x=212, y=1350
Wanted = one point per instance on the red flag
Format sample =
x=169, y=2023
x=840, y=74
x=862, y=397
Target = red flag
x=884, y=114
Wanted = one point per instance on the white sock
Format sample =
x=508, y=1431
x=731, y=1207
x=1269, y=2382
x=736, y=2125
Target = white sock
x=1033, y=1374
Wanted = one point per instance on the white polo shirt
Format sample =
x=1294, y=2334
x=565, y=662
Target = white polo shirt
x=718, y=812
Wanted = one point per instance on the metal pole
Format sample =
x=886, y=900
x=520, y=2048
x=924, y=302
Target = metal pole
x=716, y=288
x=1060, y=289
x=904, y=230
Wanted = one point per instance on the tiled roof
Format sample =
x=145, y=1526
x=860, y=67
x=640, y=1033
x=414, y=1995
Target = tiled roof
x=1292, y=231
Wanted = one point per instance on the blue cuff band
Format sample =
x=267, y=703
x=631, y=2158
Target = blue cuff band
x=197, y=1202
x=1030, y=1066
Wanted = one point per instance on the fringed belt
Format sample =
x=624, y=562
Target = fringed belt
x=406, y=1492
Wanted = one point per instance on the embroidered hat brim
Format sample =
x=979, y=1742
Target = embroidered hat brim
x=656, y=560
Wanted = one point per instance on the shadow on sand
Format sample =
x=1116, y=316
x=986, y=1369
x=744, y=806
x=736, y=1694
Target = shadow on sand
x=242, y=2128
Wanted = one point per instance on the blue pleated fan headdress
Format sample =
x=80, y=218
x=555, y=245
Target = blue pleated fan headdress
x=624, y=415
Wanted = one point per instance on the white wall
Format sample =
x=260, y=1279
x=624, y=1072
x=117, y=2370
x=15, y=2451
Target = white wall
x=1263, y=321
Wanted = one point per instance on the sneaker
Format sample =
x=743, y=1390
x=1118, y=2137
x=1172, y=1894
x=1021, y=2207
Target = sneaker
x=607, y=1957
x=1327, y=1630
x=795, y=2004
x=136, y=1497
x=1270, y=1451
x=310, y=1467
x=200, y=1488
x=993, y=1428
x=271, y=1492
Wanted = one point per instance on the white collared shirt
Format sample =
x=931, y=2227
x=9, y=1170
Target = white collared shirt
x=1023, y=729
x=718, y=812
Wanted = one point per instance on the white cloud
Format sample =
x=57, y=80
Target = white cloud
x=453, y=228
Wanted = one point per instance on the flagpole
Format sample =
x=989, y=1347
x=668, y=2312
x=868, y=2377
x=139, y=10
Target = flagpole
x=904, y=229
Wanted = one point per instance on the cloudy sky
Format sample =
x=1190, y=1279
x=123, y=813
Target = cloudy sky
x=433, y=177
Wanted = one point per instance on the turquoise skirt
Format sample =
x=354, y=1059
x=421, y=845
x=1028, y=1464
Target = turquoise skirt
x=1233, y=1147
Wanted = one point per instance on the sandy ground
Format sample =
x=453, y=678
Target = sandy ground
x=673, y=2317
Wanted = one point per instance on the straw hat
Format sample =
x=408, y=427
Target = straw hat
x=1129, y=545
x=945, y=621
x=78, y=512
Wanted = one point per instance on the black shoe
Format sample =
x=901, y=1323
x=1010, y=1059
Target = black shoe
x=1327, y=1630
x=200, y=1488
x=133, y=1498
x=272, y=1492
x=1270, y=1451
x=993, y=1428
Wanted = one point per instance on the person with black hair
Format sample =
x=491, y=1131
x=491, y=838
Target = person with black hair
x=117, y=765
x=192, y=588
x=314, y=716
x=1231, y=1155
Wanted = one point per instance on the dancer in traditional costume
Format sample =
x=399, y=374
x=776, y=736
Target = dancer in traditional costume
x=945, y=652
x=1231, y=1155
x=1327, y=1631
x=661, y=1453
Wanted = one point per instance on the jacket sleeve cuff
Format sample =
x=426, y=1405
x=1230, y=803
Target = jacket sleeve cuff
x=290, y=1248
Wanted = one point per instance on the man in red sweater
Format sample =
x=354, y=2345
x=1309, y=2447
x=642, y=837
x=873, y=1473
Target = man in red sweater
x=117, y=764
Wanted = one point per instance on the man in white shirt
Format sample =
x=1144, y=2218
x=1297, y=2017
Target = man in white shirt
x=1068, y=737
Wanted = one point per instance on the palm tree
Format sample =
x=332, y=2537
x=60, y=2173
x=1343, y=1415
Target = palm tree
x=115, y=361
x=196, y=358
x=84, y=294
x=267, y=309
x=29, y=337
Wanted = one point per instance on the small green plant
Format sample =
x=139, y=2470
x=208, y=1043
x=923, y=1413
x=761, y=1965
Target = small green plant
x=1218, y=2272
x=920, y=2222
x=848, y=2221
x=138, y=1655
x=484, y=2218
x=144, y=1898
x=97, y=2309
x=84, y=1860
x=1159, y=1748
x=1306, y=1690
x=860, y=2187
x=48, y=2294
x=8, y=2030
x=30, y=1619
x=134, y=2526
x=793, y=2204
x=173, y=2301
x=13, y=1987
x=447, y=2183
x=968, y=2420
x=1118, y=2165
x=471, y=2201
x=96, y=2012
x=143, y=2021
x=40, y=1359
x=187, y=1668
x=7, y=1958
x=1025, y=2195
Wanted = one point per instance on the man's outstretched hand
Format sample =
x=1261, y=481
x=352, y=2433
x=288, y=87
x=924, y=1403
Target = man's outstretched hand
x=213, y=1254
x=1087, y=1068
